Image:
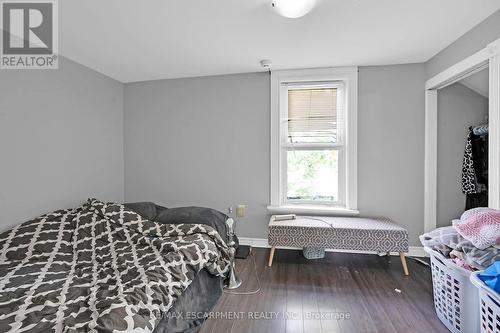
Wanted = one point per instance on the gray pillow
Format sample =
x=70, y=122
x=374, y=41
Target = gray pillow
x=180, y=215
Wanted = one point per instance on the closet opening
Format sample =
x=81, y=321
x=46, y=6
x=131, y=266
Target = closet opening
x=462, y=146
x=445, y=132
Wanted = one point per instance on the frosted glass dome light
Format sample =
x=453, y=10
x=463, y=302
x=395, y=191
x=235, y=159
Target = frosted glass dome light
x=293, y=8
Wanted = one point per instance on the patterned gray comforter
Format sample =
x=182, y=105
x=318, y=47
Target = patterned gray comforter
x=100, y=268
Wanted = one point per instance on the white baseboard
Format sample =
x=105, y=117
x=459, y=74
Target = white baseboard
x=415, y=251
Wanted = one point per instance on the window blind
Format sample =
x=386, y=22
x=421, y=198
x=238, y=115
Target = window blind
x=312, y=115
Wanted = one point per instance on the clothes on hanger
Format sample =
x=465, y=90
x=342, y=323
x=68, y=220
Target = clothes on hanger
x=476, y=200
x=468, y=173
x=475, y=170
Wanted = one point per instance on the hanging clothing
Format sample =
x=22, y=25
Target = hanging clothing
x=468, y=172
x=475, y=170
x=480, y=161
x=476, y=200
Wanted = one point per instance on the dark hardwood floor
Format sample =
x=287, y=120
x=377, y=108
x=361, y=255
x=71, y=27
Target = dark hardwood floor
x=340, y=293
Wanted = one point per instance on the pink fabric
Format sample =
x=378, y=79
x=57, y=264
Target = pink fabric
x=474, y=211
x=481, y=229
x=461, y=263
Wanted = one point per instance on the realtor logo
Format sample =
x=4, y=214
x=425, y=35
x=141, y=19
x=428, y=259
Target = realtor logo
x=29, y=34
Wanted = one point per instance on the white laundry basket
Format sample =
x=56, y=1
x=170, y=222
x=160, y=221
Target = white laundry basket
x=489, y=305
x=455, y=298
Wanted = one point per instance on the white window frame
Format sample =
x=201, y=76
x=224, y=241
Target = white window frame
x=347, y=79
x=286, y=146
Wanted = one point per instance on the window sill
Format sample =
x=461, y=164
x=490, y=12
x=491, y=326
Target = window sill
x=310, y=209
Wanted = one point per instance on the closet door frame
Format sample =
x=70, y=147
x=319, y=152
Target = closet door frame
x=489, y=57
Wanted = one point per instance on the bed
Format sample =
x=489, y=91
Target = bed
x=190, y=302
x=105, y=267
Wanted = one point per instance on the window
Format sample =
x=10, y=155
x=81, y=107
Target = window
x=314, y=141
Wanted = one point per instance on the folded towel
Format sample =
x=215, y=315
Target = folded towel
x=482, y=229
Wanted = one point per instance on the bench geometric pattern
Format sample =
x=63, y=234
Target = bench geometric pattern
x=341, y=233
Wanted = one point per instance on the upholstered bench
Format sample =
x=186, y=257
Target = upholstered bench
x=339, y=233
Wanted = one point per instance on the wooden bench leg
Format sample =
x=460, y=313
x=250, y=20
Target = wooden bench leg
x=403, y=262
x=271, y=256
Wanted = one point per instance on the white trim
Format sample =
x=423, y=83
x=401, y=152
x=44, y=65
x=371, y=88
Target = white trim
x=254, y=242
x=275, y=139
x=349, y=76
x=494, y=127
x=417, y=251
x=351, y=136
x=312, y=209
x=489, y=56
x=464, y=68
x=414, y=251
x=430, y=188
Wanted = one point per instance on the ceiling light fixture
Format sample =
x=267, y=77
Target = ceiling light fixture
x=293, y=8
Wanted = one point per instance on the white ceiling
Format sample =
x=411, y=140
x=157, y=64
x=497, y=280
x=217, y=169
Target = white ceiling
x=133, y=40
x=479, y=82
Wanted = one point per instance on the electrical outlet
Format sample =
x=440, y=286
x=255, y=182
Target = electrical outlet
x=240, y=210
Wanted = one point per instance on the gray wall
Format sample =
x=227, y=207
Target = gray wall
x=61, y=140
x=391, y=145
x=458, y=106
x=473, y=41
x=205, y=141
x=200, y=141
